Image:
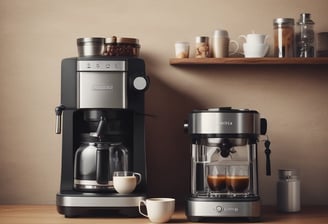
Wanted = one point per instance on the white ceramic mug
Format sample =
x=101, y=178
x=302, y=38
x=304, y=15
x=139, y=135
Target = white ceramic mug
x=159, y=210
x=125, y=182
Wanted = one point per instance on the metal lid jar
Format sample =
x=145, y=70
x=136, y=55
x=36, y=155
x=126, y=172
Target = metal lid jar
x=283, y=29
x=202, y=47
x=122, y=46
x=288, y=191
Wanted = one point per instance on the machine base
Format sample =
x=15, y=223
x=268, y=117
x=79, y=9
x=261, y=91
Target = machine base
x=201, y=208
x=100, y=205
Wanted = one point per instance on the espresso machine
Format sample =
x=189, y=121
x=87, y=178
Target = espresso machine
x=224, y=166
x=102, y=107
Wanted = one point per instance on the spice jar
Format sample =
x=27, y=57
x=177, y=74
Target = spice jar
x=202, y=47
x=288, y=191
x=283, y=37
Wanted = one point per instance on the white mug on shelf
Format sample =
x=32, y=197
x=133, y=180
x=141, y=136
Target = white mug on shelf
x=255, y=38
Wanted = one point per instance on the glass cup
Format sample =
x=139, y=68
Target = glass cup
x=216, y=178
x=125, y=181
x=237, y=179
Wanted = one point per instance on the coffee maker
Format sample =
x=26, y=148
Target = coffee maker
x=102, y=105
x=224, y=166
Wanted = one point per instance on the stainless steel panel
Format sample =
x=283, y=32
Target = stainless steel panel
x=224, y=209
x=92, y=201
x=224, y=123
x=102, y=90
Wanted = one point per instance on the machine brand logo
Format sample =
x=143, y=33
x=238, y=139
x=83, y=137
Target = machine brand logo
x=103, y=87
x=225, y=123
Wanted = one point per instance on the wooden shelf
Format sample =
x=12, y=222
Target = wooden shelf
x=249, y=61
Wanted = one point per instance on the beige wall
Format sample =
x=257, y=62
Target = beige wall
x=36, y=34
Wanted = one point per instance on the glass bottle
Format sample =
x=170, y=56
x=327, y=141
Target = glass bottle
x=305, y=37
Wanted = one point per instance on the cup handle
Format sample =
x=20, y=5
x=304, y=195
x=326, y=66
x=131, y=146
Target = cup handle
x=140, y=203
x=236, y=47
x=243, y=36
x=138, y=175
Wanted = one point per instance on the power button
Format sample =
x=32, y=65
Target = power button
x=219, y=209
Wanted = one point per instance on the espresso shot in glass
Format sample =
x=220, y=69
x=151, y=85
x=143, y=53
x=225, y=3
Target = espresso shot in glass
x=237, y=179
x=216, y=178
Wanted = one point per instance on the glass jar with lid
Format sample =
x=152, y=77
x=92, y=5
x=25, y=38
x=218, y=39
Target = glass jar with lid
x=122, y=46
x=283, y=29
x=305, y=36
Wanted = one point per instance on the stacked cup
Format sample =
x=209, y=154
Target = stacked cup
x=255, y=45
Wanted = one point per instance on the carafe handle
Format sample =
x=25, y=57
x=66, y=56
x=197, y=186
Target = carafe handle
x=102, y=164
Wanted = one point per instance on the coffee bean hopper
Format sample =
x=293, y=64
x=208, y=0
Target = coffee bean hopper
x=224, y=165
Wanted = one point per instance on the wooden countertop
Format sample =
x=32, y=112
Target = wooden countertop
x=47, y=214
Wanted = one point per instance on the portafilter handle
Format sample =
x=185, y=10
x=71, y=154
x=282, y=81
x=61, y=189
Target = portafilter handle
x=59, y=110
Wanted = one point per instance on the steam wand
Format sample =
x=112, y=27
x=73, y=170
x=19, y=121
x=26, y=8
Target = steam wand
x=59, y=110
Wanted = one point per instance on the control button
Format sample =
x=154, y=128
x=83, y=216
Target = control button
x=140, y=83
x=219, y=209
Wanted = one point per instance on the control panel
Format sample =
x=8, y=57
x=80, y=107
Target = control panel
x=101, y=65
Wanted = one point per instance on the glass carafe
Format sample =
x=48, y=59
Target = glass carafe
x=95, y=163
